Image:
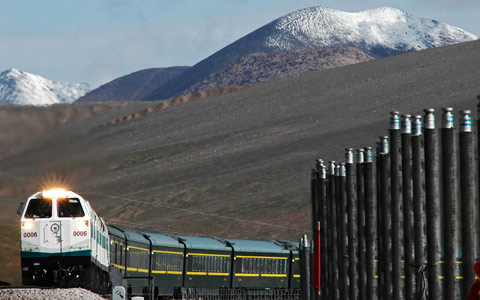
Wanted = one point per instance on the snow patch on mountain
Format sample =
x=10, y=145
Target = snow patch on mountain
x=377, y=32
x=22, y=88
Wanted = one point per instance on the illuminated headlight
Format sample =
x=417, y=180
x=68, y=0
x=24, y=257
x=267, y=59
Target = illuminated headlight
x=27, y=225
x=82, y=223
x=54, y=193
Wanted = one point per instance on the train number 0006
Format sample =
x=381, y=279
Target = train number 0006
x=79, y=233
x=29, y=234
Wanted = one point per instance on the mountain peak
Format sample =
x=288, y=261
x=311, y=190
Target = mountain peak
x=378, y=32
x=11, y=72
x=18, y=87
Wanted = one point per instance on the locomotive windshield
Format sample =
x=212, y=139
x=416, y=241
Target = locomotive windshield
x=39, y=208
x=69, y=208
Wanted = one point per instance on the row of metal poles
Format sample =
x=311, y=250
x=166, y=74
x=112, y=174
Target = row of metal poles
x=390, y=226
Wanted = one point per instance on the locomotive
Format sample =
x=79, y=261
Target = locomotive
x=64, y=243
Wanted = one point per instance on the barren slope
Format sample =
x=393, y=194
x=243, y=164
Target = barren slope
x=133, y=86
x=261, y=67
x=237, y=165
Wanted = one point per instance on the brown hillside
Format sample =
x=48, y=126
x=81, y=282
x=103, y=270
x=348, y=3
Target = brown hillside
x=236, y=165
x=260, y=67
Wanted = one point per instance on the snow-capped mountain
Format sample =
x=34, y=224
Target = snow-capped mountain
x=17, y=87
x=378, y=32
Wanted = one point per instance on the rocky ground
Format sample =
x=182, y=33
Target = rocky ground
x=50, y=294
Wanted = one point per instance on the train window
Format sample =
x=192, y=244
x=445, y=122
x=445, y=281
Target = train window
x=69, y=208
x=39, y=208
x=121, y=255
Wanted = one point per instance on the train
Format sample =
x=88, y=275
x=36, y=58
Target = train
x=64, y=243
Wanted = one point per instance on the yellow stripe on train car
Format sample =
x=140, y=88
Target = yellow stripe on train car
x=138, y=248
x=118, y=266
x=196, y=273
x=207, y=254
x=168, y=252
x=247, y=274
x=264, y=257
x=137, y=270
x=273, y=275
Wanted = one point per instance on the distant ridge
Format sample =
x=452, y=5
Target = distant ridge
x=22, y=88
x=378, y=32
x=261, y=67
x=134, y=86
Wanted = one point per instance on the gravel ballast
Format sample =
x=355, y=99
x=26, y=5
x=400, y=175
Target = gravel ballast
x=51, y=294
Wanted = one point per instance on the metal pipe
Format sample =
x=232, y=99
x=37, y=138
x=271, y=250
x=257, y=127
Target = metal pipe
x=305, y=268
x=418, y=207
x=333, y=232
x=362, y=275
x=317, y=203
x=352, y=224
x=386, y=229
x=370, y=223
x=322, y=193
x=407, y=193
x=380, y=251
x=432, y=201
x=478, y=155
x=344, y=293
x=314, y=197
x=340, y=237
x=449, y=204
x=467, y=175
x=395, y=160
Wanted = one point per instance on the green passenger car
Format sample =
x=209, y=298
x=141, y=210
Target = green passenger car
x=167, y=263
x=260, y=264
x=208, y=262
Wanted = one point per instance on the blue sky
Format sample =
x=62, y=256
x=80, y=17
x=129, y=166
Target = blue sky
x=95, y=41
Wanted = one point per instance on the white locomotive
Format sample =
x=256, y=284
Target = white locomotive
x=63, y=242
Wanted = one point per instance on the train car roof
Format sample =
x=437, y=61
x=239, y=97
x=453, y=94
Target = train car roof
x=160, y=239
x=129, y=235
x=115, y=231
x=203, y=242
x=133, y=236
x=288, y=245
x=257, y=246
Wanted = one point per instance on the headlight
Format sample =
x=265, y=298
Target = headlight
x=27, y=225
x=54, y=193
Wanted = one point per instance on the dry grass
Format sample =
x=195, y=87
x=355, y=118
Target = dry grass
x=10, y=254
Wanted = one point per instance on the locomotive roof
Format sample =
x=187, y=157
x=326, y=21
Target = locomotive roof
x=257, y=246
x=160, y=239
x=67, y=194
x=203, y=242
